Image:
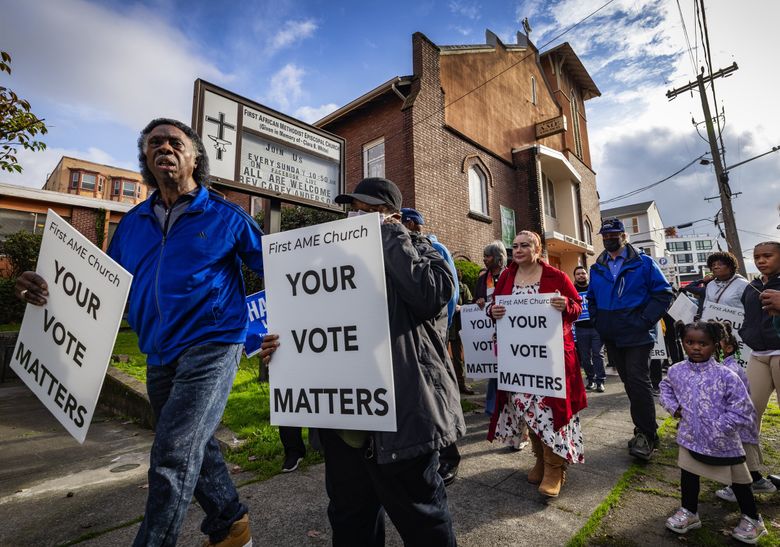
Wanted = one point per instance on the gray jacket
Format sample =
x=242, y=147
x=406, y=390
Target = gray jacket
x=419, y=285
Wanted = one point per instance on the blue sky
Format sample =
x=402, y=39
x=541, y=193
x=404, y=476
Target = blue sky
x=98, y=71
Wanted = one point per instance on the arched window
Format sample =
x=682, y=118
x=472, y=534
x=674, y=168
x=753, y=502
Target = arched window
x=588, y=231
x=477, y=190
x=533, y=90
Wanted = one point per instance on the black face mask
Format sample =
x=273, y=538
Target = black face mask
x=612, y=245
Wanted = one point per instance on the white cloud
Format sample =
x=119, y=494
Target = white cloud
x=38, y=165
x=291, y=32
x=286, y=86
x=125, y=67
x=463, y=31
x=311, y=114
x=466, y=9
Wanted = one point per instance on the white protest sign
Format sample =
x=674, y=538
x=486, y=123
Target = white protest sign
x=530, y=346
x=735, y=316
x=659, y=348
x=476, y=334
x=64, y=347
x=683, y=309
x=326, y=299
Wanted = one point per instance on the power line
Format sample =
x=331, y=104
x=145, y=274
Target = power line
x=687, y=39
x=643, y=188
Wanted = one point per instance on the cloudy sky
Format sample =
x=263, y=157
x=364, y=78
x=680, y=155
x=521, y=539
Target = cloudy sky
x=98, y=71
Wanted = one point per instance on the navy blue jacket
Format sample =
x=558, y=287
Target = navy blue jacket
x=625, y=309
x=187, y=286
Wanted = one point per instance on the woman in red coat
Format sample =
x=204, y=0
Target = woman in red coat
x=553, y=423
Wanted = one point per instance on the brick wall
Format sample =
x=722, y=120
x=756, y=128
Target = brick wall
x=383, y=118
x=84, y=221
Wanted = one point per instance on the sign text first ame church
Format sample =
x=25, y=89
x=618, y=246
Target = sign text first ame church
x=261, y=151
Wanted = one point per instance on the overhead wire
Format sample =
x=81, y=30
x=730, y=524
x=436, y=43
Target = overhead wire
x=652, y=185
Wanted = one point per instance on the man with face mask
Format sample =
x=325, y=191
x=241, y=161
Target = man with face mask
x=627, y=296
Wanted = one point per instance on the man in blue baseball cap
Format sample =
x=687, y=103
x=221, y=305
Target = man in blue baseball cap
x=627, y=296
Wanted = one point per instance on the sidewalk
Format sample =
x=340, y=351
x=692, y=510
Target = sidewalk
x=54, y=492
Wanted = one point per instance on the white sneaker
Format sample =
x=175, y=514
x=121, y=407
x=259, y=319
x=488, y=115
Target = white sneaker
x=763, y=486
x=749, y=530
x=683, y=520
x=726, y=494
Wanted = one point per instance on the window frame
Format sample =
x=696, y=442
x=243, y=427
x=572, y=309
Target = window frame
x=368, y=163
x=482, y=179
x=548, y=188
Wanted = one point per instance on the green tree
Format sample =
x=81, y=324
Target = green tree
x=22, y=249
x=470, y=272
x=19, y=127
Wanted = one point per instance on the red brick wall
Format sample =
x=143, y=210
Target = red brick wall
x=381, y=118
x=84, y=221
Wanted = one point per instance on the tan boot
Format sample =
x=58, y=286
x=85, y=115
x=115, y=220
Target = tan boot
x=554, y=473
x=536, y=473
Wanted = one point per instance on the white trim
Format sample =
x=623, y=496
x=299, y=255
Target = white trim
x=552, y=154
x=36, y=194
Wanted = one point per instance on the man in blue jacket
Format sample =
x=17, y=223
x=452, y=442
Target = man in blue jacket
x=184, y=246
x=627, y=296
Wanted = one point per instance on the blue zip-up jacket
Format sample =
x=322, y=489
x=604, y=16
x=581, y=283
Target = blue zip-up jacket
x=187, y=285
x=625, y=309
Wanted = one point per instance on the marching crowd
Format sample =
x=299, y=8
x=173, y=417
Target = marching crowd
x=184, y=246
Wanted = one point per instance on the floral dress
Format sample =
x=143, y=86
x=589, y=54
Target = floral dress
x=524, y=409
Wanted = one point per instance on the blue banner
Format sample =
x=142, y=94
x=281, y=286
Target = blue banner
x=585, y=313
x=258, y=325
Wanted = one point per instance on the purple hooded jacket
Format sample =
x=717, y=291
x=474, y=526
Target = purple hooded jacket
x=714, y=404
x=749, y=435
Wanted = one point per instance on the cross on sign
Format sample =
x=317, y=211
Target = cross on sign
x=219, y=140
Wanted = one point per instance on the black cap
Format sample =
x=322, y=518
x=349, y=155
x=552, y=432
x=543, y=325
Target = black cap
x=374, y=191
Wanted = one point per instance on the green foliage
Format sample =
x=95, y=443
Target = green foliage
x=22, y=248
x=18, y=125
x=100, y=227
x=12, y=309
x=299, y=216
x=470, y=272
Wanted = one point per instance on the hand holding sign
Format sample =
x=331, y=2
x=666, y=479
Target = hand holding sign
x=32, y=288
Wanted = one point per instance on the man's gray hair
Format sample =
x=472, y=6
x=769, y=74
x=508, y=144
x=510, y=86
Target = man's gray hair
x=497, y=251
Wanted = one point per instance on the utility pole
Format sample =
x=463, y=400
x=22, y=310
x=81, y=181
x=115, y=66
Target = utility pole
x=732, y=237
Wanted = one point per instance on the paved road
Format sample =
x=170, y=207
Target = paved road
x=54, y=491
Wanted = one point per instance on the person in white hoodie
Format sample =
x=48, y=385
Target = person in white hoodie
x=727, y=286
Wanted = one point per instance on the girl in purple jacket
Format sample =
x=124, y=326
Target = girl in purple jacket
x=713, y=406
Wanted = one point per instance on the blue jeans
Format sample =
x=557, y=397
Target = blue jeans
x=188, y=398
x=589, y=347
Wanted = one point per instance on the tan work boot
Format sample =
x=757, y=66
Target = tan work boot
x=536, y=473
x=239, y=535
x=554, y=473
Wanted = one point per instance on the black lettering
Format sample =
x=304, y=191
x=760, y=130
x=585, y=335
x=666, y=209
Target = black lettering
x=60, y=395
x=299, y=342
x=70, y=405
x=384, y=407
x=324, y=341
x=331, y=391
x=309, y=275
x=81, y=412
x=349, y=337
x=23, y=356
x=363, y=398
x=548, y=382
x=94, y=304
x=294, y=282
x=558, y=384
x=346, y=401
x=283, y=404
x=303, y=402
x=316, y=392
x=347, y=274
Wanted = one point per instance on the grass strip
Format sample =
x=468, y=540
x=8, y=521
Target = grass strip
x=584, y=534
x=581, y=538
